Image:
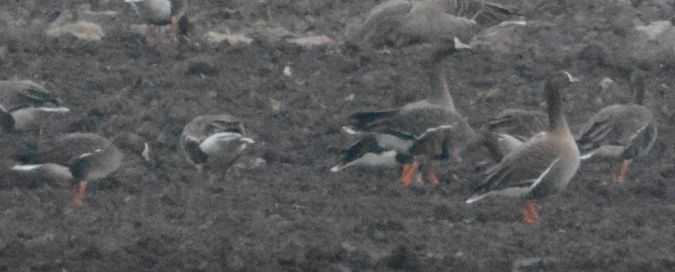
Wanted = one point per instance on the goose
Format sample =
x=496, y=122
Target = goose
x=213, y=141
x=161, y=12
x=402, y=21
x=80, y=157
x=24, y=102
x=425, y=129
x=622, y=132
x=511, y=128
x=543, y=165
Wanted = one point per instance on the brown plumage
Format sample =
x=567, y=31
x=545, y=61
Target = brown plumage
x=81, y=157
x=621, y=132
x=541, y=166
x=430, y=128
x=23, y=102
x=401, y=22
x=511, y=128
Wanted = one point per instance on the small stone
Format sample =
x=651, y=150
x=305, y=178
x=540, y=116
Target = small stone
x=82, y=30
x=287, y=71
x=234, y=39
x=606, y=83
x=275, y=104
x=312, y=41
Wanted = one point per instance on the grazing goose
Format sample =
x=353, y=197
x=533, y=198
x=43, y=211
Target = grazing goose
x=82, y=157
x=401, y=22
x=427, y=129
x=161, y=12
x=621, y=132
x=543, y=165
x=213, y=141
x=23, y=102
x=511, y=128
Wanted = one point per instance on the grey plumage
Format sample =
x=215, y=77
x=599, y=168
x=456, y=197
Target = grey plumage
x=511, y=128
x=214, y=140
x=87, y=157
x=400, y=22
x=23, y=102
x=620, y=131
x=544, y=164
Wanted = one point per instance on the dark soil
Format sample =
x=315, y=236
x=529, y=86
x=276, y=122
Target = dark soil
x=292, y=214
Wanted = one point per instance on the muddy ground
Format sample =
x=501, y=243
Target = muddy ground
x=291, y=213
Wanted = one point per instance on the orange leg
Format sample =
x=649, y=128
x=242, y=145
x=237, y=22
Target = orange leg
x=622, y=174
x=431, y=176
x=150, y=34
x=530, y=215
x=174, y=28
x=80, y=193
x=408, y=172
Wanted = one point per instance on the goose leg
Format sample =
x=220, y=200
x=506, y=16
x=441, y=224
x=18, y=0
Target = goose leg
x=174, y=28
x=432, y=177
x=622, y=173
x=408, y=172
x=150, y=34
x=80, y=193
x=530, y=215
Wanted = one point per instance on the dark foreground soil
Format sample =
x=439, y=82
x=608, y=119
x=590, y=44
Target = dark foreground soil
x=291, y=213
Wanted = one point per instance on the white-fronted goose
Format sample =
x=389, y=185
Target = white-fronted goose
x=161, y=12
x=401, y=22
x=84, y=157
x=621, y=132
x=213, y=141
x=541, y=166
x=511, y=128
x=23, y=102
x=428, y=128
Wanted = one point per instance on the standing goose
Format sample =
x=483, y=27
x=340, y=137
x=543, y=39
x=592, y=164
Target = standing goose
x=427, y=128
x=213, y=141
x=621, y=132
x=82, y=157
x=401, y=21
x=24, y=102
x=511, y=128
x=543, y=165
x=161, y=12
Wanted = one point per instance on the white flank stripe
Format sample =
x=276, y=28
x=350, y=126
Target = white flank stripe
x=541, y=177
x=53, y=109
x=350, y=130
x=25, y=167
x=434, y=129
x=248, y=140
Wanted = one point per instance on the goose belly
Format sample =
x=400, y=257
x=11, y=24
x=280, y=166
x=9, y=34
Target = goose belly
x=393, y=142
x=384, y=159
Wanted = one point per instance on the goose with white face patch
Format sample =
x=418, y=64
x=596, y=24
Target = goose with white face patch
x=429, y=129
x=542, y=165
x=81, y=157
x=161, y=12
x=214, y=141
x=620, y=131
x=23, y=103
